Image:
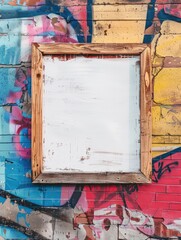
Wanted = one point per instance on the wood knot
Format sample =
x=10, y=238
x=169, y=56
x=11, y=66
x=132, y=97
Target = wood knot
x=38, y=75
x=147, y=79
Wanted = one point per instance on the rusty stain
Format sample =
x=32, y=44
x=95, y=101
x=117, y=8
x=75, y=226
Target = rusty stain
x=99, y=28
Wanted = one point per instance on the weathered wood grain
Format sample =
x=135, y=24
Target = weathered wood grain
x=37, y=80
x=93, y=48
x=145, y=121
x=49, y=178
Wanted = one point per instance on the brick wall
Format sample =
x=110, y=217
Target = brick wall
x=107, y=212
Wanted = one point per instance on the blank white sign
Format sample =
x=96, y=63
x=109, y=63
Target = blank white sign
x=91, y=114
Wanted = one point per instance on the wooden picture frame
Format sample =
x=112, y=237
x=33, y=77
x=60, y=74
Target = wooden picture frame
x=39, y=50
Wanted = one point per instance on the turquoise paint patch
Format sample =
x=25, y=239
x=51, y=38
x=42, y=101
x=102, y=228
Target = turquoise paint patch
x=10, y=233
x=7, y=83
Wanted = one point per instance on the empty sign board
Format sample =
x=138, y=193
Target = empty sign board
x=91, y=112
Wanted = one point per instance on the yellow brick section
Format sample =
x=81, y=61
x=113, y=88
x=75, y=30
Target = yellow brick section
x=118, y=31
x=170, y=27
x=169, y=45
x=167, y=86
x=119, y=12
x=166, y=120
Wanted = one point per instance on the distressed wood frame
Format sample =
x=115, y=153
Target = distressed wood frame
x=142, y=50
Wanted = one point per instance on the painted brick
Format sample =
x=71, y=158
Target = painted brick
x=165, y=43
x=164, y=91
x=176, y=156
x=175, y=206
x=159, y=205
x=153, y=188
x=144, y=198
x=168, y=197
x=173, y=189
x=170, y=181
x=171, y=215
x=165, y=119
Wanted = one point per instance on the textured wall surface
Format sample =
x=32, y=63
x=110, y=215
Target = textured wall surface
x=106, y=212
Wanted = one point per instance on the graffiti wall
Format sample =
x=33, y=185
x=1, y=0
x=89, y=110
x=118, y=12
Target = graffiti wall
x=89, y=212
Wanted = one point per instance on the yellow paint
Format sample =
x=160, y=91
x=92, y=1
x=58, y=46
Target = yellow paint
x=166, y=139
x=170, y=27
x=119, y=12
x=118, y=31
x=166, y=120
x=167, y=86
x=169, y=45
x=157, y=61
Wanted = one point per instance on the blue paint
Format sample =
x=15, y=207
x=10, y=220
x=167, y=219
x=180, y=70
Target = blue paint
x=149, y=21
x=89, y=20
x=16, y=169
x=162, y=16
x=11, y=234
x=10, y=50
x=7, y=81
x=25, y=138
x=28, y=86
x=2, y=200
x=21, y=216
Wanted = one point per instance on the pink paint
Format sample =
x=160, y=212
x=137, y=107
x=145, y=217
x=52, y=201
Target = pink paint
x=23, y=152
x=173, y=9
x=66, y=193
x=48, y=25
x=80, y=12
